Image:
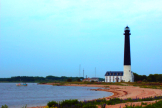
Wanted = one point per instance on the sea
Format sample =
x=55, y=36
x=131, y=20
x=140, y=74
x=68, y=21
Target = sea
x=39, y=95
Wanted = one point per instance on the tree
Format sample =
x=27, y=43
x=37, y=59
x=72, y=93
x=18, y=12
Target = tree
x=69, y=80
x=78, y=80
x=149, y=79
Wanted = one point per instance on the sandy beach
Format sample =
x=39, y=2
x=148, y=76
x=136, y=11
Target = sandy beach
x=122, y=92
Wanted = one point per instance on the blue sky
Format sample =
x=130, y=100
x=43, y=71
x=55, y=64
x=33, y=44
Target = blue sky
x=54, y=37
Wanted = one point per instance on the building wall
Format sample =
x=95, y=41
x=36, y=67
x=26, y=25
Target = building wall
x=113, y=78
x=96, y=80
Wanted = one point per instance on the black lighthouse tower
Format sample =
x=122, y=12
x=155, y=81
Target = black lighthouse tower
x=127, y=58
x=127, y=77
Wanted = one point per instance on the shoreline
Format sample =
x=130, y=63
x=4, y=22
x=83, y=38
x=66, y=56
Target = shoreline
x=122, y=92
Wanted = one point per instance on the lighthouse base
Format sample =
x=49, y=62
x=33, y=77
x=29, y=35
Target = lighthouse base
x=127, y=77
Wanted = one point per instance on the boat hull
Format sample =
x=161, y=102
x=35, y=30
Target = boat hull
x=21, y=84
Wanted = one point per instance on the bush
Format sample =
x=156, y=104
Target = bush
x=113, y=101
x=24, y=106
x=144, y=80
x=121, y=81
x=154, y=105
x=78, y=80
x=103, y=106
x=52, y=103
x=102, y=102
x=69, y=80
x=69, y=102
x=139, y=81
x=5, y=106
x=89, y=106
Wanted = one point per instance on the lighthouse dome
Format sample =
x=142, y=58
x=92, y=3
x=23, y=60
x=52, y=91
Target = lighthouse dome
x=127, y=28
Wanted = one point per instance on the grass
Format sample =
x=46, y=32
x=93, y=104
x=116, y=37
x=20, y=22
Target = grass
x=87, y=83
x=153, y=85
x=99, y=102
x=154, y=105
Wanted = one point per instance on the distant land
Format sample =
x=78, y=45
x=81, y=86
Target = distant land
x=50, y=78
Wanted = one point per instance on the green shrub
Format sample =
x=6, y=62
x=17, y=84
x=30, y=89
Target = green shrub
x=154, y=105
x=154, y=87
x=113, y=101
x=102, y=102
x=78, y=80
x=103, y=106
x=77, y=106
x=69, y=80
x=144, y=80
x=24, y=106
x=52, y=103
x=69, y=102
x=5, y=106
x=143, y=103
x=89, y=106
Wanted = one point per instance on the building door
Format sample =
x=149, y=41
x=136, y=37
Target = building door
x=117, y=79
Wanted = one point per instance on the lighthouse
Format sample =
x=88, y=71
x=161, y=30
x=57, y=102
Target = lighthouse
x=127, y=74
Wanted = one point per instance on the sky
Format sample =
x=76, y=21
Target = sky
x=56, y=37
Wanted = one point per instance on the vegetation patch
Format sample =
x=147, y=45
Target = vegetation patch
x=154, y=105
x=4, y=106
x=101, y=102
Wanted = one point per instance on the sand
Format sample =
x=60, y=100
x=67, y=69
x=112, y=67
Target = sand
x=122, y=92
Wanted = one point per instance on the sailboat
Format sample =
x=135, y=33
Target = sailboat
x=24, y=84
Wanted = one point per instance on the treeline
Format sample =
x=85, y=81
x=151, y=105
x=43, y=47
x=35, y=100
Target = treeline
x=49, y=78
x=150, y=78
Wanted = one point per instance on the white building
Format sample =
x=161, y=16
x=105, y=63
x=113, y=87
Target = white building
x=116, y=76
x=95, y=79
